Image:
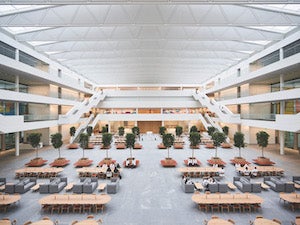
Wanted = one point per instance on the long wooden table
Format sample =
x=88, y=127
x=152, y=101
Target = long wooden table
x=75, y=199
x=290, y=197
x=202, y=170
x=233, y=199
x=43, y=222
x=9, y=199
x=263, y=221
x=263, y=170
x=38, y=171
x=88, y=222
x=5, y=222
x=218, y=221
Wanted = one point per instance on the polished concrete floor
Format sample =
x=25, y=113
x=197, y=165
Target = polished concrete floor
x=151, y=194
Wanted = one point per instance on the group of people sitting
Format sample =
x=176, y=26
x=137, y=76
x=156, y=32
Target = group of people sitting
x=130, y=163
x=192, y=161
x=112, y=170
x=187, y=180
x=246, y=170
x=207, y=181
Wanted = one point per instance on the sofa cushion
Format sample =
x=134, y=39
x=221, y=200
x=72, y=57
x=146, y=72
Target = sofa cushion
x=244, y=180
x=26, y=181
x=275, y=180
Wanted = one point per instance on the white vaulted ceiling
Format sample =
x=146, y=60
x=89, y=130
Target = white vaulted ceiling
x=149, y=42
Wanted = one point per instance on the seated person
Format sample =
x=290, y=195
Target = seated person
x=112, y=166
x=133, y=162
x=117, y=172
x=109, y=174
x=211, y=180
x=254, y=172
x=215, y=165
x=222, y=172
x=190, y=162
x=205, y=184
x=194, y=161
x=104, y=166
x=237, y=167
x=246, y=171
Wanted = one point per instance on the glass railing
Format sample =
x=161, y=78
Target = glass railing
x=7, y=51
x=32, y=118
x=268, y=117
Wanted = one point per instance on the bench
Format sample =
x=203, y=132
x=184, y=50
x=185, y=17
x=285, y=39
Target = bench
x=231, y=186
x=101, y=186
x=36, y=187
x=69, y=187
x=198, y=186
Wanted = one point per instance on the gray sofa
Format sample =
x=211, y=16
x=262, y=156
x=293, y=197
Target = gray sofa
x=244, y=185
x=86, y=185
x=2, y=181
x=187, y=188
x=113, y=186
x=24, y=185
x=218, y=187
x=276, y=184
x=55, y=185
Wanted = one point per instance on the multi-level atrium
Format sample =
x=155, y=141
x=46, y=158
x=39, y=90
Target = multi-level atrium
x=112, y=64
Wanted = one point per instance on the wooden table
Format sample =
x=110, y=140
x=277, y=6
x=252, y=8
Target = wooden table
x=231, y=186
x=5, y=222
x=262, y=169
x=36, y=187
x=43, y=222
x=263, y=185
x=9, y=199
x=37, y=171
x=198, y=186
x=297, y=221
x=227, y=199
x=88, y=222
x=101, y=186
x=75, y=199
x=69, y=187
x=201, y=170
x=218, y=221
x=263, y=221
x=290, y=197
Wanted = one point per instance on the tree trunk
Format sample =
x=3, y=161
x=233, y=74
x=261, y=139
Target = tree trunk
x=58, y=152
x=130, y=152
x=168, y=153
x=216, y=153
x=262, y=152
x=83, y=153
x=193, y=152
x=107, y=153
x=37, y=152
x=240, y=152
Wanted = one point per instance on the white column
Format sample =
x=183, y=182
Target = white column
x=281, y=142
x=17, y=56
x=17, y=135
x=282, y=106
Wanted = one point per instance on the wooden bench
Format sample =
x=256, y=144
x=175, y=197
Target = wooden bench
x=231, y=186
x=264, y=186
x=101, y=187
x=69, y=187
x=36, y=187
x=198, y=186
x=297, y=186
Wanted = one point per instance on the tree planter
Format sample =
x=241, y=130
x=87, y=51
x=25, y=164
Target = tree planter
x=239, y=160
x=73, y=146
x=216, y=160
x=168, y=162
x=106, y=161
x=60, y=162
x=263, y=161
x=83, y=162
x=36, y=162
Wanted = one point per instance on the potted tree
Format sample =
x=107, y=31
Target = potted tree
x=178, y=143
x=84, y=141
x=162, y=130
x=168, y=140
x=89, y=131
x=56, y=141
x=106, y=140
x=34, y=139
x=72, y=132
x=121, y=131
x=218, y=138
x=239, y=139
x=211, y=130
x=194, y=139
x=262, y=139
x=226, y=132
x=130, y=140
x=193, y=129
x=136, y=131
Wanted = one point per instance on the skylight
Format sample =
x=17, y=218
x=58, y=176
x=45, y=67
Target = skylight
x=20, y=30
x=279, y=29
x=8, y=9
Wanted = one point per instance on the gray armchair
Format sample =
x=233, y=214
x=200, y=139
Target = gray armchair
x=90, y=185
x=218, y=187
x=113, y=186
x=276, y=184
x=57, y=184
x=242, y=183
x=2, y=181
x=187, y=188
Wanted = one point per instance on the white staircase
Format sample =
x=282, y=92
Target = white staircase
x=82, y=107
x=220, y=110
x=83, y=125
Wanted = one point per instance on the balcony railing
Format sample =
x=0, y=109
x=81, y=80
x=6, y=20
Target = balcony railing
x=268, y=117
